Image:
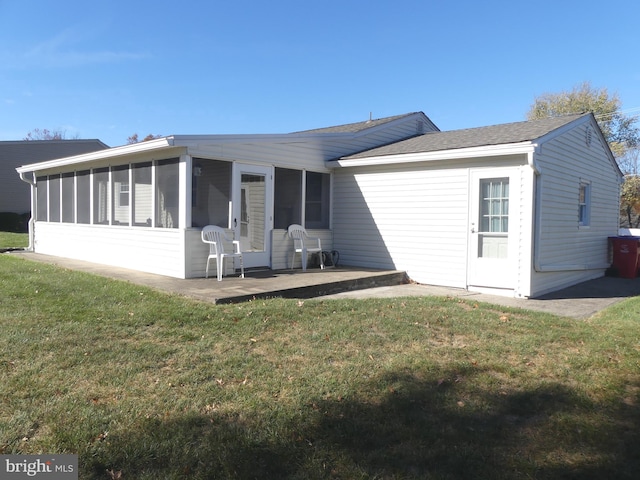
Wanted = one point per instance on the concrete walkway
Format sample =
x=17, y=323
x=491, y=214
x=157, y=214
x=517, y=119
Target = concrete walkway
x=580, y=301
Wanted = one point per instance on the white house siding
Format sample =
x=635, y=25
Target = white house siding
x=302, y=150
x=567, y=253
x=157, y=251
x=415, y=217
x=411, y=218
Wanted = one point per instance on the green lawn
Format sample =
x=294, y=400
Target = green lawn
x=14, y=240
x=158, y=386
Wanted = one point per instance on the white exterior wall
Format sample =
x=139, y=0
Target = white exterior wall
x=568, y=253
x=148, y=250
x=415, y=217
x=410, y=217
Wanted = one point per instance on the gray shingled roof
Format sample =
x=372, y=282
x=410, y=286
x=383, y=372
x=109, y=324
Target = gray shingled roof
x=471, y=137
x=356, y=127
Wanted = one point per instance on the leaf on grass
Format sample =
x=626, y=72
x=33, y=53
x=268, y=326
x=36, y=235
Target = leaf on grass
x=115, y=475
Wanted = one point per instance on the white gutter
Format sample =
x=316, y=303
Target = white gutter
x=141, y=147
x=34, y=206
x=452, y=154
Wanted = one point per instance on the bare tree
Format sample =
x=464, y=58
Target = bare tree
x=135, y=139
x=45, y=134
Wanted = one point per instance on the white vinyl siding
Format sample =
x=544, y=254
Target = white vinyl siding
x=566, y=162
x=412, y=219
x=158, y=251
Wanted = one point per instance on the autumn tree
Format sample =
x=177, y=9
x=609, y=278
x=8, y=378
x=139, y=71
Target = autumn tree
x=619, y=130
x=630, y=202
x=135, y=139
x=44, y=134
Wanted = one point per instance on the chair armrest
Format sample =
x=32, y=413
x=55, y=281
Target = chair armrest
x=236, y=246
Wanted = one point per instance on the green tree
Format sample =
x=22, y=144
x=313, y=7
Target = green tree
x=619, y=130
x=630, y=202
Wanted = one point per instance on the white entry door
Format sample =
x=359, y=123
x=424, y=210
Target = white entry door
x=252, y=214
x=491, y=259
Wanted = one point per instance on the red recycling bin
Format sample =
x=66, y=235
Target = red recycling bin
x=625, y=255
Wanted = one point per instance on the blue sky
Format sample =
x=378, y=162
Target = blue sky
x=108, y=69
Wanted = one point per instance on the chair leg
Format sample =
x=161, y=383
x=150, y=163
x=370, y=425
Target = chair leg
x=304, y=260
x=241, y=267
x=219, y=264
x=206, y=272
x=321, y=261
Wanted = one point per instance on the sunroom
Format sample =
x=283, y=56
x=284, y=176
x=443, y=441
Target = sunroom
x=144, y=209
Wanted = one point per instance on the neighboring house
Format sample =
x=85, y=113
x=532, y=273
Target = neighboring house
x=15, y=196
x=518, y=209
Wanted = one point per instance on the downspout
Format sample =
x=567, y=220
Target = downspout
x=537, y=235
x=32, y=182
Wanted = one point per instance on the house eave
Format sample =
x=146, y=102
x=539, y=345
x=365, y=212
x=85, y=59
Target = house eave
x=160, y=144
x=439, y=155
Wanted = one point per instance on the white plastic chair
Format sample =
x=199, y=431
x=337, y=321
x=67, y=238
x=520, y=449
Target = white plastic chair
x=216, y=237
x=301, y=243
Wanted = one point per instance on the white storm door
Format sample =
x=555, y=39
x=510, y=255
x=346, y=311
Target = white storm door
x=252, y=213
x=491, y=253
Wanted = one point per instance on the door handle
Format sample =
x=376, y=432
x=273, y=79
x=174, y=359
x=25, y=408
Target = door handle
x=235, y=223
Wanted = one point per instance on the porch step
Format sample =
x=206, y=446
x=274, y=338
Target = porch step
x=321, y=288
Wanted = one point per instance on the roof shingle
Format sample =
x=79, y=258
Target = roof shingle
x=471, y=137
x=356, y=127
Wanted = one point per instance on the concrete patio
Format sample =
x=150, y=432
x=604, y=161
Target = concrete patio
x=232, y=289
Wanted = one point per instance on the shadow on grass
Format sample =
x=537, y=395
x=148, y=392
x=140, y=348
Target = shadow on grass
x=420, y=428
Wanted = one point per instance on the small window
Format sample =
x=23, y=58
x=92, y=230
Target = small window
x=584, y=205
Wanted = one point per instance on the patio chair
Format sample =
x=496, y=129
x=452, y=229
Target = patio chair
x=216, y=237
x=301, y=242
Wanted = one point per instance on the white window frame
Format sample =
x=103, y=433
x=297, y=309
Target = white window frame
x=584, y=204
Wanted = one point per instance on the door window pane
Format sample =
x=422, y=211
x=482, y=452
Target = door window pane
x=494, y=210
x=252, y=212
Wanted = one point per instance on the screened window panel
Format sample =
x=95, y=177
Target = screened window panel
x=101, y=196
x=142, y=195
x=317, y=200
x=210, y=192
x=287, y=197
x=83, y=195
x=120, y=195
x=68, y=187
x=54, y=198
x=42, y=199
x=167, y=193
